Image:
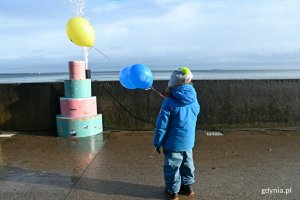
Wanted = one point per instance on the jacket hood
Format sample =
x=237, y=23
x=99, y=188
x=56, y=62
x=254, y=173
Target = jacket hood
x=184, y=93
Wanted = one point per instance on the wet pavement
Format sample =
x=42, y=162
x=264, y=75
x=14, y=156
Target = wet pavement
x=238, y=165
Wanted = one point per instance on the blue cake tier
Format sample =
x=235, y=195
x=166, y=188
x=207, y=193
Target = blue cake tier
x=78, y=88
x=79, y=127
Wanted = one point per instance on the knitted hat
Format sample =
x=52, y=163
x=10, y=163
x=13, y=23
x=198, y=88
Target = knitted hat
x=180, y=76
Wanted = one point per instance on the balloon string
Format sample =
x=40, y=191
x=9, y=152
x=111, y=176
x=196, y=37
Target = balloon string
x=101, y=53
x=158, y=92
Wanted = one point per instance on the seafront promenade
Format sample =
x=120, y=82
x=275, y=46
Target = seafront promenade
x=237, y=165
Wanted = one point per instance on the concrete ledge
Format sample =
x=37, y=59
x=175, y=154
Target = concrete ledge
x=225, y=104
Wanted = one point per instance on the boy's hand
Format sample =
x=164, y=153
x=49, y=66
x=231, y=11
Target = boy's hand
x=158, y=150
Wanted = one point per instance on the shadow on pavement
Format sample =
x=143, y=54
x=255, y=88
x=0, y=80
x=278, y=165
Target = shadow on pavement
x=109, y=187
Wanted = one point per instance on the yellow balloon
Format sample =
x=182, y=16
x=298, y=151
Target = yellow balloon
x=80, y=32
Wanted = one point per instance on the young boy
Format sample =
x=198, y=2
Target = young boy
x=175, y=132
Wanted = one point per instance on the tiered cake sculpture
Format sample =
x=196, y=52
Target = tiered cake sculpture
x=78, y=108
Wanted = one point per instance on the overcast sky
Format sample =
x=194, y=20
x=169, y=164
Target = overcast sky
x=164, y=34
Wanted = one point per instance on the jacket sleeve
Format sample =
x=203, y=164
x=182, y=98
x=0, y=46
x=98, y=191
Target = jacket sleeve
x=162, y=123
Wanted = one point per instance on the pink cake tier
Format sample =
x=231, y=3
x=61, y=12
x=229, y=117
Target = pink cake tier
x=78, y=107
x=77, y=70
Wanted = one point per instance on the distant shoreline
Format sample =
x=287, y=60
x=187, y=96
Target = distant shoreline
x=214, y=74
x=193, y=70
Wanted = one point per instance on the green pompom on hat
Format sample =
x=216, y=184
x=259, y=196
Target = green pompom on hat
x=185, y=70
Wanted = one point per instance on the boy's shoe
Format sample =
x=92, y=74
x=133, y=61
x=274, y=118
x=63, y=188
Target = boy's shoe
x=186, y=190
x=171, y=196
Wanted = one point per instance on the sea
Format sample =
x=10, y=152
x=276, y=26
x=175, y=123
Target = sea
x=157, y=75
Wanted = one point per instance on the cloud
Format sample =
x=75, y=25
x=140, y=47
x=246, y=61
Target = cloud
x=11, y=23
x=208, y=32
x=108, y=7
x=167, y=2
x=162, y=33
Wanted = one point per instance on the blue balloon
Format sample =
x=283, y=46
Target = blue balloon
x=124, y=78
x=140, y=76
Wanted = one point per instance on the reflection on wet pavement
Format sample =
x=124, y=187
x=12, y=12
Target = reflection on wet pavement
x=65, y=154
x=30, y=161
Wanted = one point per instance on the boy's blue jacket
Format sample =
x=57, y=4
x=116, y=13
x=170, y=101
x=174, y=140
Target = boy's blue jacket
x=176, y=122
